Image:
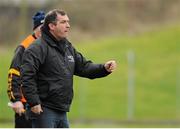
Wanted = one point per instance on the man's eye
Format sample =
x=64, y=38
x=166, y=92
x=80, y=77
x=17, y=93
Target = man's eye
x=63, y=21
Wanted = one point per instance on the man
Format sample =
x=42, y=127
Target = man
x=14, y=81
x=47, y=72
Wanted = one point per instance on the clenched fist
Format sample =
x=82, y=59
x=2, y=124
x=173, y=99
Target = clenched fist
x=18, y=107
x=110, y=66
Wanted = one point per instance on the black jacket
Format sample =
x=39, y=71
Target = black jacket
x=48, y=69
x=14, y=81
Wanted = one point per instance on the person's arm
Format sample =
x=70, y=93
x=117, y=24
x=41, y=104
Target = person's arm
x=14, y=81
x=86, y=68
x=32, y=59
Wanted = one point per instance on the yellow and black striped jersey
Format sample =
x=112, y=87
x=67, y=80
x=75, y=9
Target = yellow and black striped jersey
x=14, y=82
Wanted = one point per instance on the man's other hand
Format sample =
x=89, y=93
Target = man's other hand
x=37, y=109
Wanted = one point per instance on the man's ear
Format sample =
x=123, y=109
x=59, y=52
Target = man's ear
x=51, y=26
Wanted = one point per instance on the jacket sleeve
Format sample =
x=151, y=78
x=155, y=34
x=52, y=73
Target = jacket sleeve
x=32, y=59
x=86, y=68
x=14, y=81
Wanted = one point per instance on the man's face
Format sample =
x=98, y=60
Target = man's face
x=61, y=28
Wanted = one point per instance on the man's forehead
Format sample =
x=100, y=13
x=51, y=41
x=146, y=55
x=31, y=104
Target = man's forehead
x=62, y=17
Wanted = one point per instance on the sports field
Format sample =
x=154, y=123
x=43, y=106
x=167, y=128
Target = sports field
x=157, y=75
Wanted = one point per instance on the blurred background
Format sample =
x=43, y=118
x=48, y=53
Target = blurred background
x=143, y=36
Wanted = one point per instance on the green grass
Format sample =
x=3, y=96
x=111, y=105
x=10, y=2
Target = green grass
x=7, y=125
x=107, y=125
x=157, y=61
x=5, y=57
x=157, y=57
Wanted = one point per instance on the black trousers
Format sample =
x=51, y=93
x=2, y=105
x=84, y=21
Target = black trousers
x=22, y=121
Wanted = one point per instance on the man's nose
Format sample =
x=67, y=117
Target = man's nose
x=68, y=25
